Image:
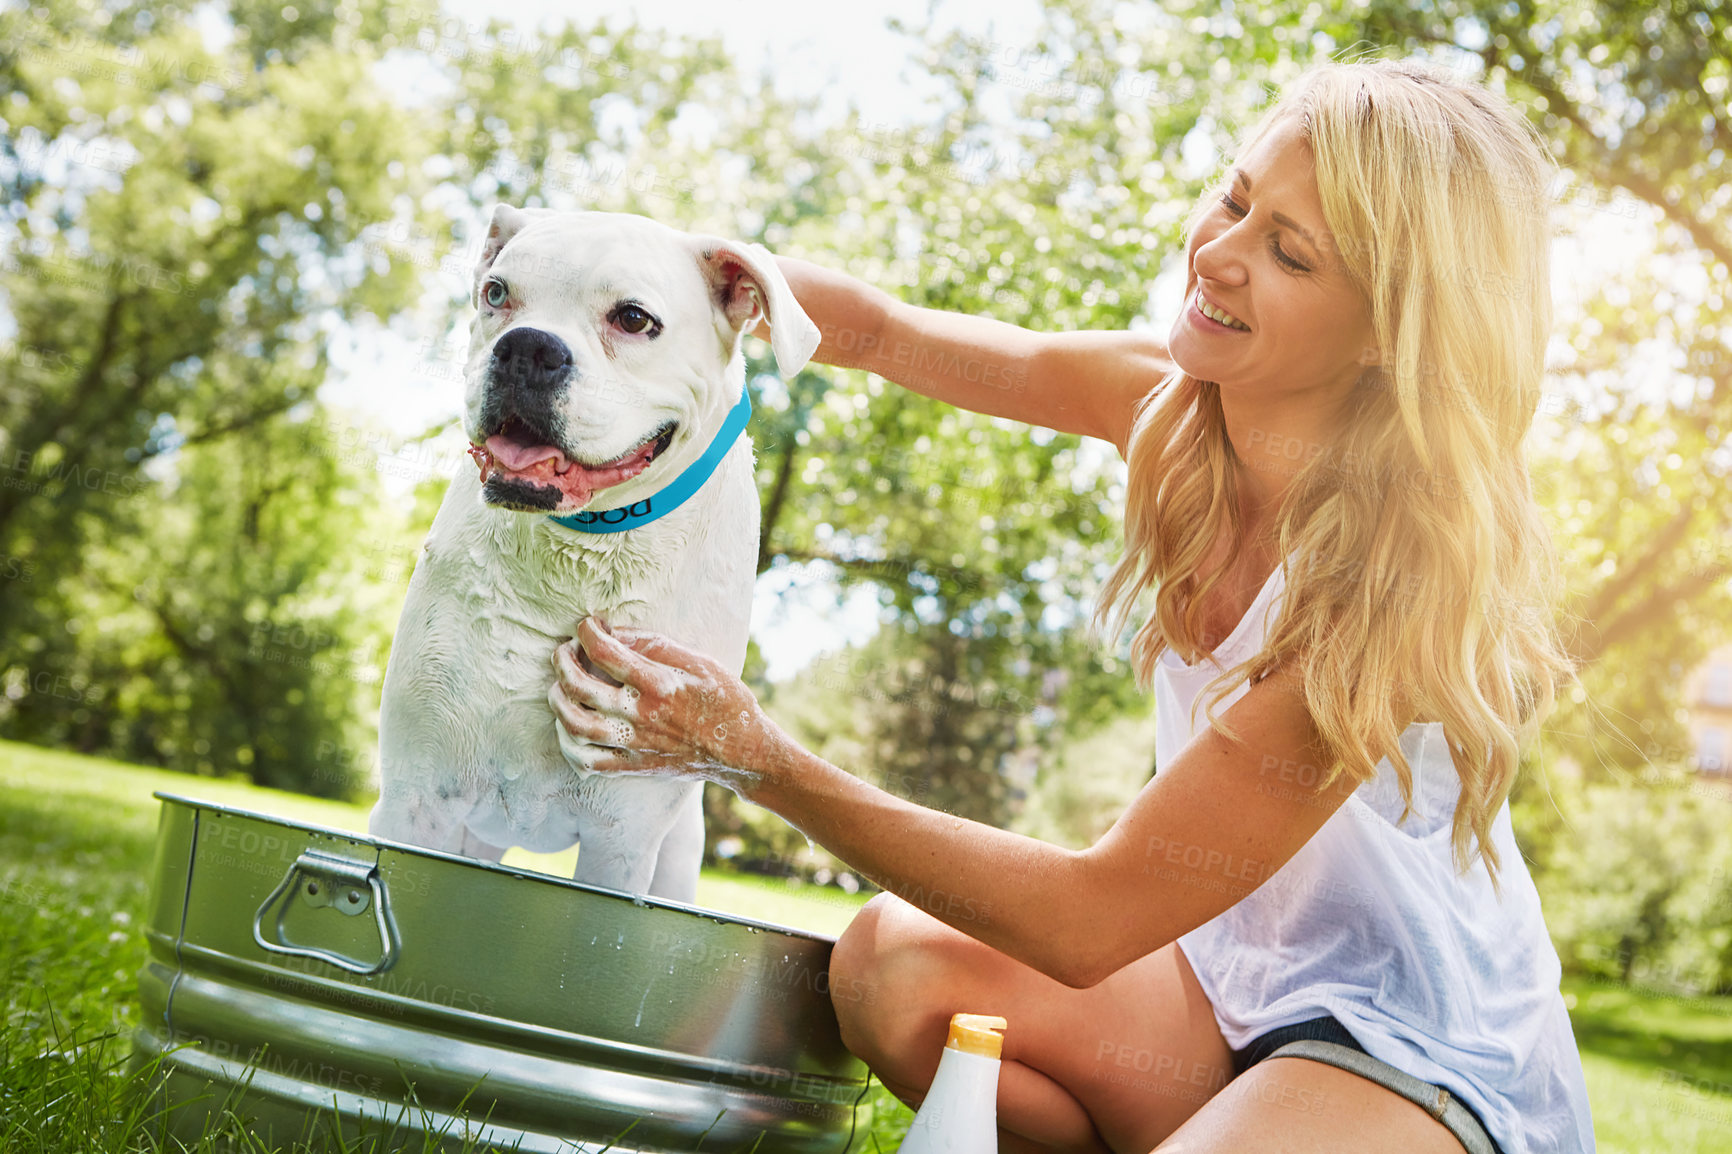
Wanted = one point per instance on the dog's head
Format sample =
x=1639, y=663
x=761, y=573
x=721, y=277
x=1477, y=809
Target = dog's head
x=604, y=354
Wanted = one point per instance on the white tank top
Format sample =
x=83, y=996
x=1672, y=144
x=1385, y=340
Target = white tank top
x=1370, y=923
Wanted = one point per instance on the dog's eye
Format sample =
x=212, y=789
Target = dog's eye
x=495, y=293
x=636, y=319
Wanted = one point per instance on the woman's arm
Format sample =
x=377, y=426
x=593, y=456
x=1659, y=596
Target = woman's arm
x=1207, y=831
x=1083, y=382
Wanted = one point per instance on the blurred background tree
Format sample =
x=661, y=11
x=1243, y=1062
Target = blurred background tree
x=204, y=548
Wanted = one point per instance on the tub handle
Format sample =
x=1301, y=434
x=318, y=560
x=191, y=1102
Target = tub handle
x=350, y=887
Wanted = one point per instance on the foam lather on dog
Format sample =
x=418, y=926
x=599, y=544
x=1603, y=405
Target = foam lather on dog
x=606, y=411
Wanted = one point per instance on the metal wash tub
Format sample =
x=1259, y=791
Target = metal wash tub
x=318, y=982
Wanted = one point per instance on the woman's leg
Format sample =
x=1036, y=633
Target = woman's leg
x=1116, y=1067
x=1299, y=1106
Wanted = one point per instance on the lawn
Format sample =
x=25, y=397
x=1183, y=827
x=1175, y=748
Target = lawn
x=75, y=847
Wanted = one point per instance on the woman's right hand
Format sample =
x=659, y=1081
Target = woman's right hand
x=662, y=710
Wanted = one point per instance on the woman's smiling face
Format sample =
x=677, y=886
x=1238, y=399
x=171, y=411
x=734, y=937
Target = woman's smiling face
x=1263, y=256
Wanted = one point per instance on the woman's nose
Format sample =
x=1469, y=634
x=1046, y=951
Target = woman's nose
x=1220, y=256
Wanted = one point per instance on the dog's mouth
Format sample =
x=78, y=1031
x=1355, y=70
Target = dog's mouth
x=520, y=470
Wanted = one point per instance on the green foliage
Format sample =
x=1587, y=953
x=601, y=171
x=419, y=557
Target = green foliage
x=170, y=296
x=1638, y=885
x=238, y=621
x=1637, y=509
x=1084, y=789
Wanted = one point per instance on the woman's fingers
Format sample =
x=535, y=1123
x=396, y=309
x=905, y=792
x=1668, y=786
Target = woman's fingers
x=579, y=721
x=608, y=742
x=586, y=689
x=593, y=726
x=659, y=647
x=619, y=660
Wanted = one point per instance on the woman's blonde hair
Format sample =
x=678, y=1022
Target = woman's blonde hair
x=1421, y=582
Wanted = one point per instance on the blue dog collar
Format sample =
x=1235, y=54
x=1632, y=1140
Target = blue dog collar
x=659, y=504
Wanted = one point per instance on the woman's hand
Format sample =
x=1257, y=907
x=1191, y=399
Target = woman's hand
x=674, y=712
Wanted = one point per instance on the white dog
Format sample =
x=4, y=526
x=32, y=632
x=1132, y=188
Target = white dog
x=605, y=404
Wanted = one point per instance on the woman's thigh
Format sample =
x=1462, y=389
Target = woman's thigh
x=1138, y=1053
x=1298, y=1106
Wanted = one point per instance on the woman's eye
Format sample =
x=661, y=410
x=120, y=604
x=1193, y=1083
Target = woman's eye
x=636, y=319
x=1281, y=257
x=496, y=293
x=1286, y=261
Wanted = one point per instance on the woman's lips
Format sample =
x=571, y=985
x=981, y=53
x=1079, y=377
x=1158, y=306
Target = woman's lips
x=1205, y=321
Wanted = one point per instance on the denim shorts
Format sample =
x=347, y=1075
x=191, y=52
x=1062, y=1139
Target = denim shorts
x=1327, y=1040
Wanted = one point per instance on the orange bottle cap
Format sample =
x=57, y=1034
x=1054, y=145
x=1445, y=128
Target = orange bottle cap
x=977, y=1034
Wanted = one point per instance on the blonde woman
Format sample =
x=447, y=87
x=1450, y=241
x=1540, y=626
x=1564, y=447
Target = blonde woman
x=1312, y=930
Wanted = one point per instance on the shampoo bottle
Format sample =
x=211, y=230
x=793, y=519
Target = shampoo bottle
x=960, y=1113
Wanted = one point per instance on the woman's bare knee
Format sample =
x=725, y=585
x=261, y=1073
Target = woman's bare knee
x=893, y=982
x=898, y=974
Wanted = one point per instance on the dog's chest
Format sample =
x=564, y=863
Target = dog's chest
x=466, y=691
x=494, y=628
x=466, y=697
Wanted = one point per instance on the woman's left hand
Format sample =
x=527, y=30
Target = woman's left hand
x=675, y=712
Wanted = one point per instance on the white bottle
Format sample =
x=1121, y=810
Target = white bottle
x=960, y=1112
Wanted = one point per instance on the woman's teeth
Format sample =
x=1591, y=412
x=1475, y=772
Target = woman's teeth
x=1216, y=314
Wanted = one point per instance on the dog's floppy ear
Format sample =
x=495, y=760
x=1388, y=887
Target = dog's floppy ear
x=746, y=284
x=507, y=222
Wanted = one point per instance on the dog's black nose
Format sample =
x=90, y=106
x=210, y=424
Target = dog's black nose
x=532, y=358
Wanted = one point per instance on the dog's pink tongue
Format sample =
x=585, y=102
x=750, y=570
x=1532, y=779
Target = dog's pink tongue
x=520, y=457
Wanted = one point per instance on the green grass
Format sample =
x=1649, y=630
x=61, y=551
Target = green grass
x=76, y=836
x=1659, y=1068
